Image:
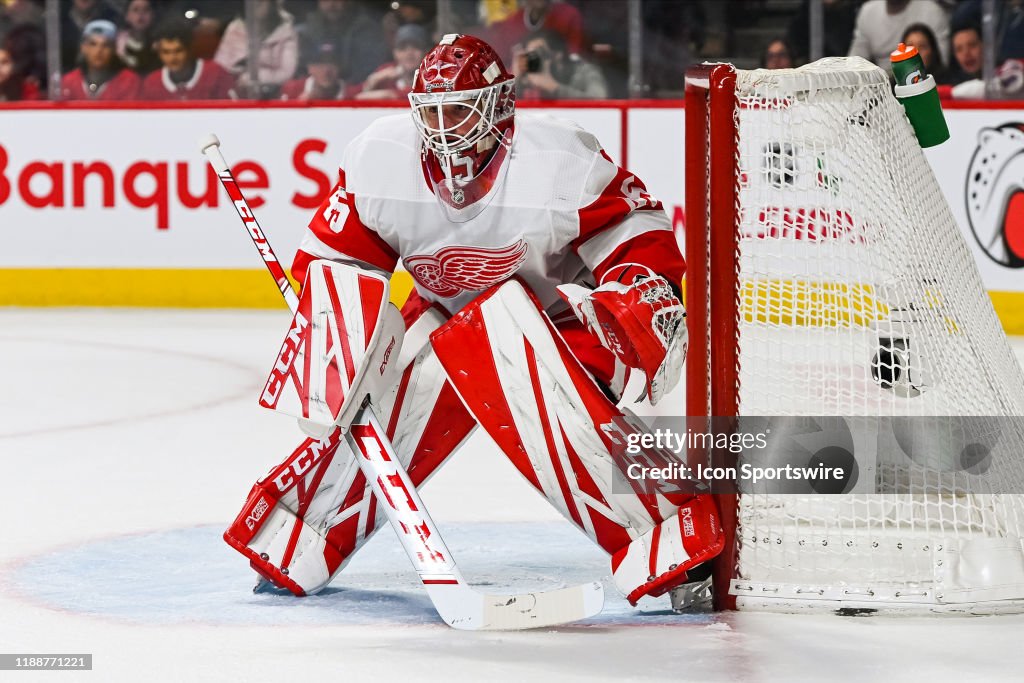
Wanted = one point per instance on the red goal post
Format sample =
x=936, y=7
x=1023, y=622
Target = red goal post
x=711, y=147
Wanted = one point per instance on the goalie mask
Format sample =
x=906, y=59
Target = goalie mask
x=463, y=102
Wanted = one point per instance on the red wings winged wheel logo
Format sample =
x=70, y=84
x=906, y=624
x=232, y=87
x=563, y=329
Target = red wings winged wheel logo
x=452, y=270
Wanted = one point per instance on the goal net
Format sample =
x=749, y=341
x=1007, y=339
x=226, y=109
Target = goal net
x=827, y=277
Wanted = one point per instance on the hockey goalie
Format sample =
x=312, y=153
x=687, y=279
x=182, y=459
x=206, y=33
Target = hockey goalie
x=544, y=275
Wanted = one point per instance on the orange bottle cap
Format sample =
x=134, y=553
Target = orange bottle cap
x=902, y=52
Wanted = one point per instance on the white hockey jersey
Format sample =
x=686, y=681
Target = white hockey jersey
x=563, y=213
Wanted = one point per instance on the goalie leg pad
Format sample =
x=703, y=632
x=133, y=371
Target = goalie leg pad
x=305, y=519
x=533, y=397
x=659, y=559
x=269, y=531
x=342, y=346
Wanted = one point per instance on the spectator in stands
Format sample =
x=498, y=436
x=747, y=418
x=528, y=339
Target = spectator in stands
x=101, y=75
x=466, y=16
x=135, y=40
x=394, y=80
x=608, y=43
x=279, y=49
x=545, y=69
x=76, y=15
x=968, y=76
x=968, y=56
x=777, y=55
x=422, y=12
x=462, y=16
x=1009, y=25
x=324, y=81
x=506, y=37
x=921, y=37
x=671, y=36
x=880, y=23
x=840, y=17
x=355, y=37
x=672, y=33
x=18, y=12
x=183, y=76
x=13, y=85
x=208, y=19
x=1011, y=30
x=10, y=85
x=26, y=44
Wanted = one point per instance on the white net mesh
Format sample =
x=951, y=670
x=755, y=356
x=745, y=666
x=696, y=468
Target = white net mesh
x=858, y=296
x=668, y=312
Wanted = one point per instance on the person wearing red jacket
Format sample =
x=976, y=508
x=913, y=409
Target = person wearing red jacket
x=324, y=81
x=101, y=76
x=183, y=76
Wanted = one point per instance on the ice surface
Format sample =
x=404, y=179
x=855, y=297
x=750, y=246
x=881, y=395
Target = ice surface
x=129, y=439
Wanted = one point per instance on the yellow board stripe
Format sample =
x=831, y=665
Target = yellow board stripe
x=1010, y=309
x=833, y=304
x=836, y=304
x=173, y=288
x=227, y=288
x=800, y=303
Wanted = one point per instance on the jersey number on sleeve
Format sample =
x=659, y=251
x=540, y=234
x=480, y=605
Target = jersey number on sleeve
x=636, y=195
x=337, y=210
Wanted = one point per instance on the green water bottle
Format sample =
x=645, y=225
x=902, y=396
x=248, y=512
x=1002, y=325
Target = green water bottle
x=907, y=65
x=915, y=89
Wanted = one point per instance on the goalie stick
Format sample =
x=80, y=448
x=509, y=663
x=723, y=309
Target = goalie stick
x=458, y=604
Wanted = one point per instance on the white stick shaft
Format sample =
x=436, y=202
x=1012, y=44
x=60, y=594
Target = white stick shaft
x=400, y=500
x=457, y=603
x=210, y=146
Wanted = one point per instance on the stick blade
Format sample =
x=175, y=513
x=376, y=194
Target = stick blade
x=463, y=608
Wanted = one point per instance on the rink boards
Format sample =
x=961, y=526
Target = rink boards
x=115, y=206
